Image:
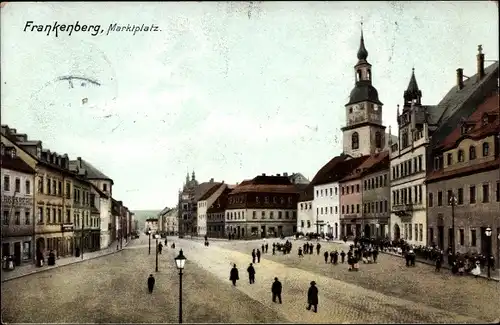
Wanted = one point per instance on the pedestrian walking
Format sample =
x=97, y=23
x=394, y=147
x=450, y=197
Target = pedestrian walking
x=312, y=297
x=318, y=248
x=251, y=273
x=258, y=255
x=375, y=255
x=263, y=248
x=331, y=257
x=342, y=257
x=300, y=252
x=151, y=283
x=438, y=264
x=160, y=247
x=326, y=256
x=276, y=290
x=335, y=257
x=476, y=271
x=253, y=255
x=234, y=275
x=311, y=248
x=274, y=249
x=267, y=247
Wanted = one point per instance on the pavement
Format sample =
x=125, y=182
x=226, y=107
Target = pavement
x=112, y=289
x=24, y=270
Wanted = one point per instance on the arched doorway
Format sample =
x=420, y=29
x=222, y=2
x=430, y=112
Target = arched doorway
x=397, y=233
x=367, y=231
x=40, y=244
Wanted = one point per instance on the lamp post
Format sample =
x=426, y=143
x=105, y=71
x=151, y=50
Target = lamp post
x=453, y=201
x=487, y=232
x=180, y=260
x=149, y=235
x=156, y=237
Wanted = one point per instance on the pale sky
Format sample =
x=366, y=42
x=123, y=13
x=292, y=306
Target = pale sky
x=230, y=90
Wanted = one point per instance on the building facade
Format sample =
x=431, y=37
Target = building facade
x=408, y=203
x=187, y=206
x=376, y=197
x=204, y=202
x=84, y=226
x=104, y=184
x=306, y=222
x=464, y=190
x=326, y=204
x=18, y=227
x=216, y=215
x=265, y=206
x=152, y=225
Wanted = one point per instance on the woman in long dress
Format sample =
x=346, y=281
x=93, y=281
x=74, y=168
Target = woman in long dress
x=476, y=271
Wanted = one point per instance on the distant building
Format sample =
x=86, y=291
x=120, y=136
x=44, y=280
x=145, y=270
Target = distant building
x=265, y=206
x=216, y=215
x=297, y=178
x=151, y=224
x=204, y=202
x=17, y=182
x=168, y=221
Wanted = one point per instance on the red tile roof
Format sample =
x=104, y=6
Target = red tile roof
x=307, y=194
x=322, y=174
x=373, y=163
x=490, y=107
x=266, y=184
x=341, y=169
x=470, y=169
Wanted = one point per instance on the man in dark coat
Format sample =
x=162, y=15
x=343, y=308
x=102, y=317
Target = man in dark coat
x=311, y=248
x=253, y=255
x=160, y=247
x=331, y=257
x=263, y=248
x=335, y=257
x=258, y=255
x=326, y=257
x=342, y=257
x=375, y=255
x=274, y=249
x=234, y=275
x=251, y=273
x=300, y=252
x=267, y=247
x=151, y=283
x=312, y=297
x=276, y=290
x=318, y=248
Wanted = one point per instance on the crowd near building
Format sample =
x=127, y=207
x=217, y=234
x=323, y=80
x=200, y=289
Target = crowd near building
x=53, y=203
x=436, y=182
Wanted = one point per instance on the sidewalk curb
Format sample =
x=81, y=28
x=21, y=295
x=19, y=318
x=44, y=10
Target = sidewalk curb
x=59, y=266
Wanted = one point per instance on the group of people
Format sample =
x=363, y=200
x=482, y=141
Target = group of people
x=276, y=287
x=285, y=247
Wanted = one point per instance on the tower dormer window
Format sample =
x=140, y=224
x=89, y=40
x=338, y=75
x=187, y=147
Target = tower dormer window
x=369, y=74
x=485, y=119
x=13, y=153
x=355, y=140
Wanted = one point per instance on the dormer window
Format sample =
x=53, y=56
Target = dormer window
x=38, y=152
x=485, y=119
x=13, y=153
x=461, y=156
x=486, y=149
x=464, y=129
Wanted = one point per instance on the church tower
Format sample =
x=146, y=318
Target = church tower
x=364, y=133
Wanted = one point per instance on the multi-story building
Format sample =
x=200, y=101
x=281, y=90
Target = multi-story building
x=18, y=228
x=407, y=164
x=84, y=235
x=99, y=204
x=54, y=227
x=151, y=224
x=169, y=222
x=204, y=202
x=362, y=199
x=216, y=215
x=187, y=208
x=464, y=190
x=297, y=178
x=105, y=185
x=264, y=206
x=376, y=196
x=305, y=216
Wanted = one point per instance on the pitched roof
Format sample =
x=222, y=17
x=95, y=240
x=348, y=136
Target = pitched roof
x=16, y=163
x=202, y=188
x=164, y=211
x=92, y=172
x=490, y=107
x=321, y=175
x=307, y=194
x=339, y=170
x=368, y=165
x=220, y=204
x=211, y=191
x=460, y=103
x=101, y=193
x=266, y=184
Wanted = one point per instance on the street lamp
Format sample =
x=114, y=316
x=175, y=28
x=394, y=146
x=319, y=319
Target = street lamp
x=487, y=232
x=453, y=201
x=156, y=237
x=149, y=234
x=180, y=260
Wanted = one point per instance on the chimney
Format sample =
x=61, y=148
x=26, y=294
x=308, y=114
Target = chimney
x=263, y=174
x=460, y=78
x=285, y=174
x=480, y=63
x=278, y=175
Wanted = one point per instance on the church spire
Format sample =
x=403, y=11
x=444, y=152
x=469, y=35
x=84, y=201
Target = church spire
x=193, y=178
x=187, y=178
x=412, y=93
x=362, y=52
